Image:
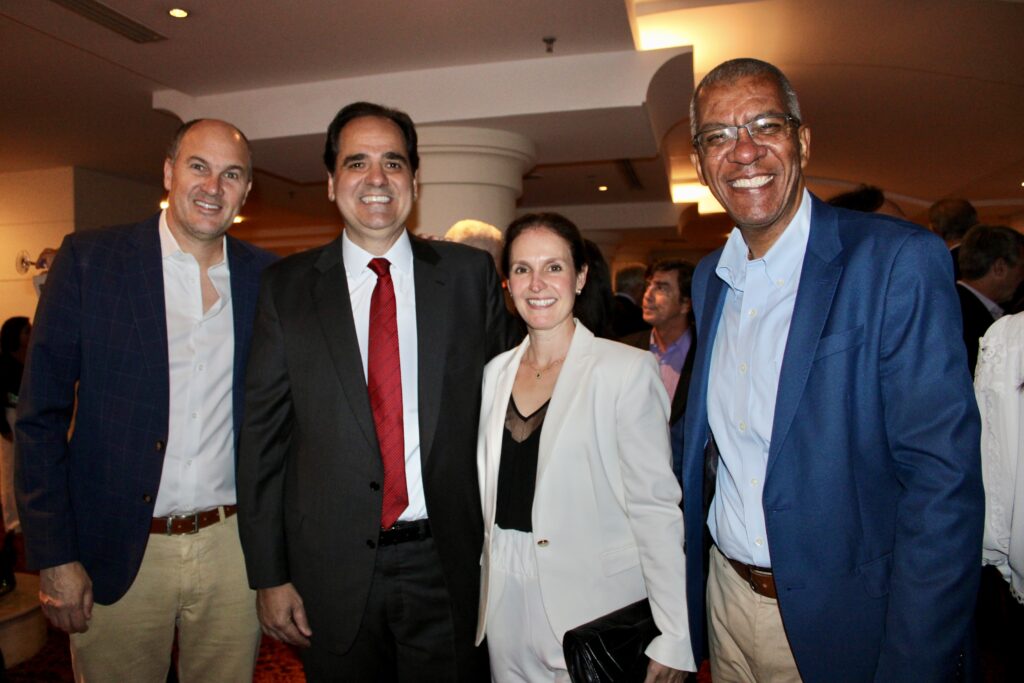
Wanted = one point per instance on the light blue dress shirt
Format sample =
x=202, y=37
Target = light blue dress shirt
x=744, y=380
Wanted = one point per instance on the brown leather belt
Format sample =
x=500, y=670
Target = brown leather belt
x=759, y=579
x=175, y=525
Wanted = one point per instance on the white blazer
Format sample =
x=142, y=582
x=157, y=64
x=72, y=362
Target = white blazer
x=606, y=517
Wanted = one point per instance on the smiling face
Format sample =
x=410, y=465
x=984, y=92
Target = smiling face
x=207, y=183
x=760, y=185
x=372, y=185
x=542, y=279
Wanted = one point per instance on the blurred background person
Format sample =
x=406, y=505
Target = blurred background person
x=868, y=199
x=14, y=336
x=581, y=511
x=999, y=387
x=950, y=219
x=627, y=316
x=484, y=236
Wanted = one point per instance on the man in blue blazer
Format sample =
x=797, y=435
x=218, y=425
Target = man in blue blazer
x=830, y=430
x=131, y=519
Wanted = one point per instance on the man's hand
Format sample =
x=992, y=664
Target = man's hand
x=659, y=673
x=65, y=592
x=282, y=615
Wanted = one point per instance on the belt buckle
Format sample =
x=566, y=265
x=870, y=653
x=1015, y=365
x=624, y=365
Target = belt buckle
x=195, y=523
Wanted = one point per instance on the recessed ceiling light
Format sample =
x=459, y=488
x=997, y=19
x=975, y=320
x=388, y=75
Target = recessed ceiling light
x=178, y=13
x=602, y=188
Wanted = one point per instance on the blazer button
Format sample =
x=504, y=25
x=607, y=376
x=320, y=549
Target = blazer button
x=374, y=486
x=370, y=543
x=542, y=542
x=159, y=446
x=147, y=498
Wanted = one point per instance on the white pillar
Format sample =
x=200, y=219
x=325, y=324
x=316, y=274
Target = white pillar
x=470, y=173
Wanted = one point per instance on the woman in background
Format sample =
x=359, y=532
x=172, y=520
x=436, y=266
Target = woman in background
x=14, y=336
x=581, y=509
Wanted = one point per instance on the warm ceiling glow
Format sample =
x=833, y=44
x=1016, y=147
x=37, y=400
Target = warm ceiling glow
x=602, y=188
x=178, y=13
x=238, y=219
x=164, y=204
x=695, y=193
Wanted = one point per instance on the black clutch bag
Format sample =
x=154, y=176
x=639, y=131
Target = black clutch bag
x=610, y=649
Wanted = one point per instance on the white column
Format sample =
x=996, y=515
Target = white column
x=469, y=173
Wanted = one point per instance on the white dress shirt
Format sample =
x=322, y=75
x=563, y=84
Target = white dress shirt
x=361, y=281
x=744, y=380
x=199, y=461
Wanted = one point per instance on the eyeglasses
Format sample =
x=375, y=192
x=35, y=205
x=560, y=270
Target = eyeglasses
x=762, y=130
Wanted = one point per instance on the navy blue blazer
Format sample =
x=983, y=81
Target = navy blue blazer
x=101, y=323
x=873, y=497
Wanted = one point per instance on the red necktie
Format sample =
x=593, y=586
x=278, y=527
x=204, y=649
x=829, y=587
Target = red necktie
x=384, y=381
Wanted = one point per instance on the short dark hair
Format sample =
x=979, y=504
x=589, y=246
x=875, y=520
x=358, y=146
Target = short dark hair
x=743, y=67
x=10, y=334
x=682, y=269
x=983, y=245
x=183, y=129
x=952, y=218
x=556, y=223
x=358, y=110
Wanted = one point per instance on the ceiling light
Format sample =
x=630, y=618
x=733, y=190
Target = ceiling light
x=164, y=204
x=238, y=219
x=178, y=13
x=695, y=193
x=602, y=188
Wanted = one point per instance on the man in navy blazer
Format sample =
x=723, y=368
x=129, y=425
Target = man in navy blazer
x=130, y=519
x=830, y=429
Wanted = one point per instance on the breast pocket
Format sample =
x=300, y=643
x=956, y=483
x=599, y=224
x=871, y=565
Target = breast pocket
x=840, y=341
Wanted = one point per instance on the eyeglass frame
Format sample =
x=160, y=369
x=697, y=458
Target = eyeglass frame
x=789, y=118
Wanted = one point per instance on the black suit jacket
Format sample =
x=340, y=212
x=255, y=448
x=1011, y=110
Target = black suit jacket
x=310, y=469
x=101, y=323
x=976, y=320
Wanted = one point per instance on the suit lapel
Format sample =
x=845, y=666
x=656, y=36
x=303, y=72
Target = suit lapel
x=334, y=311
x=819, y=278
x=433, y=327
x=574, y=369
x=143, y=274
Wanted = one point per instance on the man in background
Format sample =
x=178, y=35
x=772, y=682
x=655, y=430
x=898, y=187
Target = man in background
x=627, y=315
x=950, y=219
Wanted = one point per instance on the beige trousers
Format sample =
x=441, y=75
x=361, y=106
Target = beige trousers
x=196, y=582
x=745, y=633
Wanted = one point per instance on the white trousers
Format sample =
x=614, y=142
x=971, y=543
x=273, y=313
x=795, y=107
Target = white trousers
x=522, y=646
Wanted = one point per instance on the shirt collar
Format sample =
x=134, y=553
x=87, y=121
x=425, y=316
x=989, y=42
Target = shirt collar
x=169, y=247
x=674, y=347
x=783, y=260
x=995, y=309
x=357, y=259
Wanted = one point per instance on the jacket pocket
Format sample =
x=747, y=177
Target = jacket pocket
x=619, y=559
x=840, y=341
x=875, y=575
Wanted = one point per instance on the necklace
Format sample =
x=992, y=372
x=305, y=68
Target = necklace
x=539, y=371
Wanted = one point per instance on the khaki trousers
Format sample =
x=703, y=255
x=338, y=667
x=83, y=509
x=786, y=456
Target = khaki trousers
x=196, y=582
x=748, y=642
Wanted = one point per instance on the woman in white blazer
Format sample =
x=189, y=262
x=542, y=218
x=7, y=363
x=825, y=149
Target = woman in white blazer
x=581, y=509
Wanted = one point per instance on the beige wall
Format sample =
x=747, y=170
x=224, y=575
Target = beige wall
x=36, y=211
x=38, y=208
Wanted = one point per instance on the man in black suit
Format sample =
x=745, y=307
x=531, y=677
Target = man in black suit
x=368, y=597
x=627, y=316
x=668, y=310
x=991, y=268
x=141, y=336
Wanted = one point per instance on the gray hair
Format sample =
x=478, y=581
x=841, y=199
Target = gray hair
x=477, y=234
x=744, y=67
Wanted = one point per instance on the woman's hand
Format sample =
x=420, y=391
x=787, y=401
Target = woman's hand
x=659, y=673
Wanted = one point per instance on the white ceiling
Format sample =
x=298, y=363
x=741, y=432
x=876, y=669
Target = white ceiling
x=920, y=97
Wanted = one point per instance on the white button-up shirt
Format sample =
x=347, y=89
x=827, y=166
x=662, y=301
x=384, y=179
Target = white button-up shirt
x=361, y=281
x=199, y=461
x=744, y=380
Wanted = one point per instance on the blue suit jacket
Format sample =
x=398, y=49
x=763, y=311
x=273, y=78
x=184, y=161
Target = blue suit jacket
x=873, y=497
x=101, y=323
